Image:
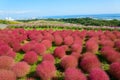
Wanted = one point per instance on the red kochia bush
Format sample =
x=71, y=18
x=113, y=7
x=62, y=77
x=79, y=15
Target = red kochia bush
x=46, y=70
x=6, y=62
x=47, y=43
x=7, y=75
x=95, y=38
x=89, y=61
x=48, y=36
x=110, y=35
x=117, y=44
x=66, y=47
x=31, y=57
x=35, y=35
x=58, y=39
x=77, y=40
x=92, y=46
x=76, y=55
x=105, y=50
x=68, y=40
x=110, y=54
x=15, y=44
x=39, y=48
x=28, y=46
x=76, y=48
x=21, y=69
x=5, y=50
x=69, y=61
x=115, y=70
x=83, y=34
x=11, y=53
x=106, y=42
x=117, y=34
x=48, y=57
x=98, y=74
x=74, y=74
x=59, y=52
x=65, y=33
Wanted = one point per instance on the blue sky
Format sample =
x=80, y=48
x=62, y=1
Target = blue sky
x=35, y=8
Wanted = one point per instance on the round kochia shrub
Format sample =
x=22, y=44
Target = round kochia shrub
x=110, y=35
x=66, y=47
x=117, y=34
x=106, y=42
x=48, y=57
x=69, y=61
x=117, y=44
x=98, y=74
x=105, y=50
x=92, y=46
x=58, y=39
x=68, y=40
x=59, y=52
x=48, y=36
x=28, y=46
x=47, y=43
x=5, y=50
x=7, y=75
x=11, y=53
x=31, y=57
x=6, y=62
x=77, y=40
x=39, y=48
x=74, y=74
x=21, y=69
x=110, y=54
x=46, y=70
x=76, y=48
x=115, y=70
x=76, y=55
x=15, y=44
x=89, y=61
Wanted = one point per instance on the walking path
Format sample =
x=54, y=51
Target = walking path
x=3, y=26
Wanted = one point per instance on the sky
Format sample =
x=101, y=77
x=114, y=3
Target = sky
x=39, y=8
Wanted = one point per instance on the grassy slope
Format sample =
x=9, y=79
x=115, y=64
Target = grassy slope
x=9, y=22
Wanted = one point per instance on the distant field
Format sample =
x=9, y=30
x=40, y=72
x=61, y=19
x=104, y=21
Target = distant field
x=77, y=24
x=55, y=25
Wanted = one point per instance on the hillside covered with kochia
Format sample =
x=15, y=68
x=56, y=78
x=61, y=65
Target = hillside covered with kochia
x=59, y=54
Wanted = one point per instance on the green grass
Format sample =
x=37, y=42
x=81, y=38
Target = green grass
x=19, y=56
x=51, y=50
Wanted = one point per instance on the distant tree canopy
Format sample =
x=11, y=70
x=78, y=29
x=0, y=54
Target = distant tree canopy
x=28, y=20
x=83, y=21
x=92, y=22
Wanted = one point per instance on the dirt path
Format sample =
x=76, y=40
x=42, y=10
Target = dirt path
x=2, y=26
